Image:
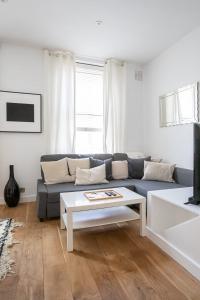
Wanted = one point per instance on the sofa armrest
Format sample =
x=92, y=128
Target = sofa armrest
x=41, y=199
x=183, y=176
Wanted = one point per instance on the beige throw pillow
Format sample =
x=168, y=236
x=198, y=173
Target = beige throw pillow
x=158, y=171
x=56, y=171
x=73, y=163
x=120, y=169
x=91, y=176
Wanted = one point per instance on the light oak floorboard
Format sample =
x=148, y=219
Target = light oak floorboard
x=124, y=256
x=182, y=279
x=83, y=285
x=108, y=263
x=105, y=279
x=56, y=281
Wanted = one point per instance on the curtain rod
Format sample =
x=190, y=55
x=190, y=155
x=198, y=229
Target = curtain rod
x=95, y=65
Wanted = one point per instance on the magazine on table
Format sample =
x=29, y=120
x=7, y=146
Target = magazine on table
x=102, y=195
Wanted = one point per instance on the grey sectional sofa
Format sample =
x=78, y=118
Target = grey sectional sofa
x=48, y=196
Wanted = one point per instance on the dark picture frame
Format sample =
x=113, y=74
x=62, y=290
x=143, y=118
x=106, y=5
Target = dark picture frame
x=20, y=112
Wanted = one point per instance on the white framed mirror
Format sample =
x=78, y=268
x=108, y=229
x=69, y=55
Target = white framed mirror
x=180, y=106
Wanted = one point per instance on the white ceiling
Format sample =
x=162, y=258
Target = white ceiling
x=136, y=30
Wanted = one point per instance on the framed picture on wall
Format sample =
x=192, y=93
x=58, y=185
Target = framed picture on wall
x=20, y=112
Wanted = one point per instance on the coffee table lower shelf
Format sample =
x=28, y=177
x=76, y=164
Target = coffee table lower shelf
x=99, y=217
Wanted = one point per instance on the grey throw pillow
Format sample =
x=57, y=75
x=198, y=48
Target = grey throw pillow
x=98, y=162
x=120, y=156
x=136, y=167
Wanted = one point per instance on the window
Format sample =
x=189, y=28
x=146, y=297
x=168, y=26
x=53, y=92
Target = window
x=89, y=109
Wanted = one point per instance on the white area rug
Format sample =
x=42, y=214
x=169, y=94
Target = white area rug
x=6, y=241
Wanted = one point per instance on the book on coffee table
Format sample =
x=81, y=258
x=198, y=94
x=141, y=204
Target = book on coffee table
x=102, y=195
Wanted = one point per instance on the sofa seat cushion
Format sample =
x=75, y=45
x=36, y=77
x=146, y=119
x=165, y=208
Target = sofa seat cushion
x=142, y=187
x=139, y=186
x=54, y=190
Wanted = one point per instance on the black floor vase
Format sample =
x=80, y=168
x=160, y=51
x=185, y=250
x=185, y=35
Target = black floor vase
x=11, y=191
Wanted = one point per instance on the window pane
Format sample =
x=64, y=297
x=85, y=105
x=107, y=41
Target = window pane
x=88, y=121
x=168, y=109
x=89, y=110
x=186, y=105
x=89, y=93
x=89, y=142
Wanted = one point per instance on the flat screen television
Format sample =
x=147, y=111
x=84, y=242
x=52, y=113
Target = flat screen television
x=195, y=199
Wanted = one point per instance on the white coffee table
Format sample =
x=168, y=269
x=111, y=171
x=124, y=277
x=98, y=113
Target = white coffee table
x=77, y=212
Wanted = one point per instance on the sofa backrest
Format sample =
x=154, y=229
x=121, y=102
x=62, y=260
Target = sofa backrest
x=181, y=175
x=52, y=157
x=102, y=156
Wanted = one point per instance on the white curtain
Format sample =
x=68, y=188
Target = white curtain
x=60, y=96
x=114, y=106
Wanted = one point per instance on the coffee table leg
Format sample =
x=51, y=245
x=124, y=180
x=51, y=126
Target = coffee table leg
x=62, y=211
x=69, y=231
x=142, y=218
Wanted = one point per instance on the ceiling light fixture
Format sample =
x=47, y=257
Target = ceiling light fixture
x=99, y=22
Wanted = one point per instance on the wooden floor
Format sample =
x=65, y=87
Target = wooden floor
x=108, y=263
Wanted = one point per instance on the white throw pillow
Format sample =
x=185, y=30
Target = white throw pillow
x=158, y=171
x=120, y=169
x=73, y=163
x=91, y=176
x=56, y=171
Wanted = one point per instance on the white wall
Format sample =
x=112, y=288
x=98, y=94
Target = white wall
x=176, y=67
x=21, y=69
x=134, y=123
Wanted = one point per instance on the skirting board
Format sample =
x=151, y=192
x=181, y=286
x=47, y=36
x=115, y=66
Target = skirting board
x=184, y=260
x=23, y=199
